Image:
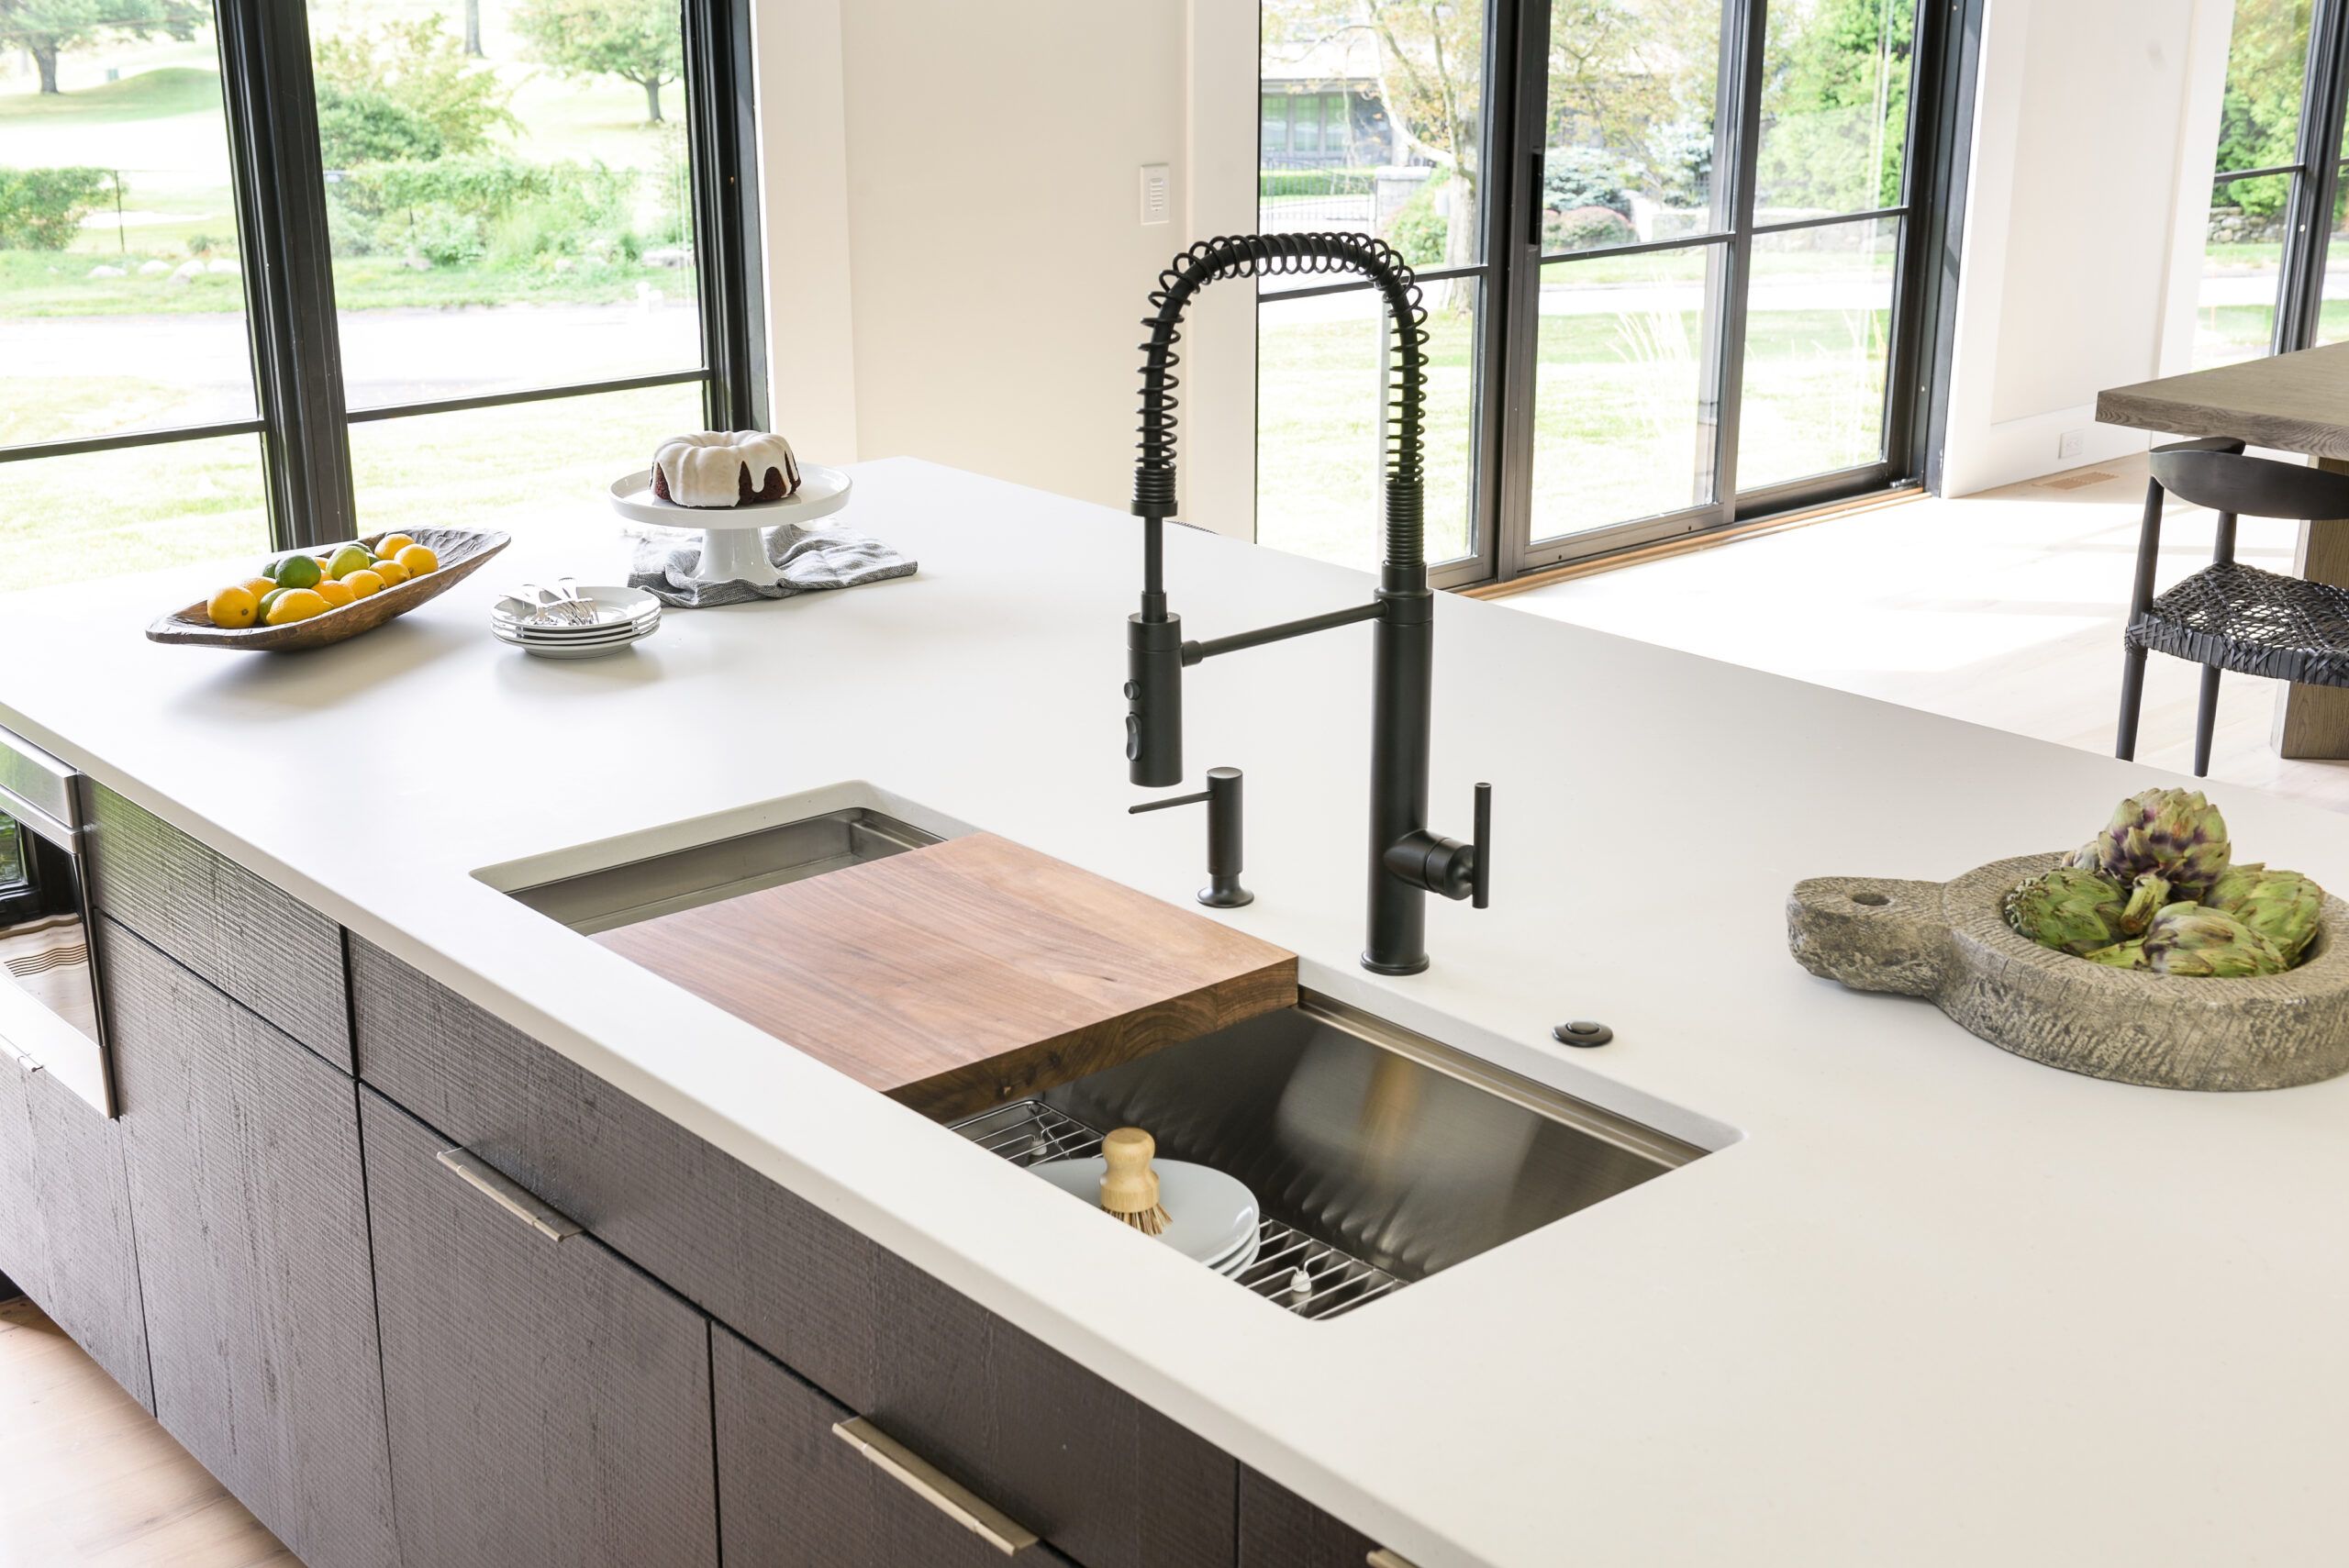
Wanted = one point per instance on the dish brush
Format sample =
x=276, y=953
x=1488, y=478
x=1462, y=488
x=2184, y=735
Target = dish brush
x=1128, y=1186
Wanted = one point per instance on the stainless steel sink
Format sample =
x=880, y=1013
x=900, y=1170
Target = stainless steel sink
x=725, y=868
x=1379, y=1156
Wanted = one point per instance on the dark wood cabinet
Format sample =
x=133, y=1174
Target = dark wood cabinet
x=89, y=1280
x=261, y=947
x=1280, y=1529
x=549, y=1405
x=793, y=1495
x=1101, y=1475
x=244, y=1165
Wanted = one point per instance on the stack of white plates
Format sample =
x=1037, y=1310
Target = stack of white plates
x=1211, y=1217
x=618, y=617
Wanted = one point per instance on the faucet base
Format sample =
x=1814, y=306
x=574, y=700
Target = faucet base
x=1414, y=966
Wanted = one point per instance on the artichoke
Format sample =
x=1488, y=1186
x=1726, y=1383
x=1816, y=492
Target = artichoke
x=2282, y=906
x=2172, y=831
x=2068, y=909
x=2195, y=940
x=2120, y=955
x=2148, y=897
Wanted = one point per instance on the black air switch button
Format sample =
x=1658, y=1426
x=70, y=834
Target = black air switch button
x=1133, y=738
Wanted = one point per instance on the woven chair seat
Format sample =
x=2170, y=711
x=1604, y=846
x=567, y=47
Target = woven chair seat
x=2259, y=623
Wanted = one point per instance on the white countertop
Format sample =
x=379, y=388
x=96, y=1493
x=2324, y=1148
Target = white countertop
x=1929, y=1303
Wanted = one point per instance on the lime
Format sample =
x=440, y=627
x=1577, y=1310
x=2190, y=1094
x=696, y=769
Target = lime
x=347, y=559
x=299, y=572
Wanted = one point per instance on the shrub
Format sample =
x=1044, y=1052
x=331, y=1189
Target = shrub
x=420, y=66
x=358, y=126
x=1587, y=228
x=447, y=239
x=1418, y=230
x=1583, y=177
x=1275, y=183
x=42, y=209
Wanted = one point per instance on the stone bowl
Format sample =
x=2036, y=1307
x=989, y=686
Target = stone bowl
x=1950, y=941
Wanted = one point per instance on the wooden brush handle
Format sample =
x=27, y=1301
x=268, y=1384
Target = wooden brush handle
x=1128, y=1183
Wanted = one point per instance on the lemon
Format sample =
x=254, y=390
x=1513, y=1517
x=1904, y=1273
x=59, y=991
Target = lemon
x=234, y=607
x=259, y=587
x=419, y=560
x=363, y=581
x=335, y=593
x=391, y=571
x=347, y=559
x=296, y=603
x=391, y=545
x=297, y=571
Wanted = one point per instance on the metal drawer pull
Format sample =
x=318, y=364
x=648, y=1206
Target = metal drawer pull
x=933, y=1486
x=509, y=1194
x=1382, y=1558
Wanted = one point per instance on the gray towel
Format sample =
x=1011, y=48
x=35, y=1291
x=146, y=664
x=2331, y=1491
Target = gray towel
x=809, y=559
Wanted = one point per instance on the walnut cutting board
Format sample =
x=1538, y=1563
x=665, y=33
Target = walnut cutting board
x=966, y=973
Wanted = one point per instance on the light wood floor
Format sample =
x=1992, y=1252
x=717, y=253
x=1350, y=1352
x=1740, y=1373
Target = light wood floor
x=88, y=1480
x=2003, y=608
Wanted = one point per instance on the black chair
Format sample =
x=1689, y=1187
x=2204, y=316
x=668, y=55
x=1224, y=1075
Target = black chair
x=2228, y=616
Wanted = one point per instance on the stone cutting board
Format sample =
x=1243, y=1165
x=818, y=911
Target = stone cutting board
x=1950, y=941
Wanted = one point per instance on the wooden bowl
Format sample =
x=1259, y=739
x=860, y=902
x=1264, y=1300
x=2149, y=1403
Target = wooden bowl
x=461, y=553
x=1949, y=942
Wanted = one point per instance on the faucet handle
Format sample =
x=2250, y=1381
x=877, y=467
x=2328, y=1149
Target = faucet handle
x=1481, y=870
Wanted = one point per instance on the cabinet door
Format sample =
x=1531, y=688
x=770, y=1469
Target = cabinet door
x=24, y=1239
x=1280, y=1529
x=793, y=1494
x=549, y=1405
x=91, y=1286
x=243, y=1154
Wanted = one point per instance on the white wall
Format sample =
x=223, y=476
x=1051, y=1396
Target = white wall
x=957, y=265
x=2094, y=125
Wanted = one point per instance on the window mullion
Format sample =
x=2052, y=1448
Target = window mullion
x=281, y=209
x=726, y=236
x=1727, y=279
x=2309, y=226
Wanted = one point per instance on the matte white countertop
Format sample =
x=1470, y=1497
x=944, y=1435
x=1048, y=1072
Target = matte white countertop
x=1929, y=1303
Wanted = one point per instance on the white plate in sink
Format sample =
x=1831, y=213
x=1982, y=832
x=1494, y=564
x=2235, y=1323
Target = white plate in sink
x=1211, y=1217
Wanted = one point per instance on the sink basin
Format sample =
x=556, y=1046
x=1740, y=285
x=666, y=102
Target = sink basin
x=623, y=895
x=1379, y=1156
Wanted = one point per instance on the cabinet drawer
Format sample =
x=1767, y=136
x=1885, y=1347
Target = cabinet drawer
x=243, y=1156
x=264, y=949
x=1280, y=1529
x=793, y=1494
x=1100, y=1475
x=23, y=1238
x=550, y=1406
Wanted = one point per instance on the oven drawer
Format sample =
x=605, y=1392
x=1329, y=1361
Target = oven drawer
x=266, y=949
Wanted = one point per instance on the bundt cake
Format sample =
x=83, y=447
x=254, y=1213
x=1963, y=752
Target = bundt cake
x=724, y=468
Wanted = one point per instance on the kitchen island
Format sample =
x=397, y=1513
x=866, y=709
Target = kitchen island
x=1921, y=1301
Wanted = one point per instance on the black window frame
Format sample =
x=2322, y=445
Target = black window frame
x=2316, y=174
x=301, y=417
x=1945, y=60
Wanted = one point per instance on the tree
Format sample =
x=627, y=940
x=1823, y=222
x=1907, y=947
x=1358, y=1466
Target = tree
x=636, y=40
x=2259, y=115
x=45, y=28
x=473, y=29
x=1838, y=103
x=412, y=71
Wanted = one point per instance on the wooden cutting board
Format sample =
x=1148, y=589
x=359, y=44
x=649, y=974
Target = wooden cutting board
x=963, y=974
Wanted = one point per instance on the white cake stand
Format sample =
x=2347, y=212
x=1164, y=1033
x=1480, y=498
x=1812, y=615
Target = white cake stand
x=733, y=538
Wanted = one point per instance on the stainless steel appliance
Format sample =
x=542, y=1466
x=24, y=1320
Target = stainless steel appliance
x=50, y=1015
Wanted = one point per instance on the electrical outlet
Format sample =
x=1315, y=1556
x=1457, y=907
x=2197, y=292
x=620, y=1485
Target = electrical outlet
x=1157, y=194
x=2069, y=444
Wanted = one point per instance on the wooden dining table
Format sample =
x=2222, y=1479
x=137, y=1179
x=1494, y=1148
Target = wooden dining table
x=2294, y=403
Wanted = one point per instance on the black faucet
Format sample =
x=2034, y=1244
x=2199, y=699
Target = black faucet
x=1406, y=861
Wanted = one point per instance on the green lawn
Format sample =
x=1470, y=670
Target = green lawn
x=1617, y=428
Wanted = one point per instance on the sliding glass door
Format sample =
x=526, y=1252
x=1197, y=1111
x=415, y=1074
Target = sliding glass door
x=1676, y=262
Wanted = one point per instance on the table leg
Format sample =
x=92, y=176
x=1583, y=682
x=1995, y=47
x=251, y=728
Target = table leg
x=2313, y=721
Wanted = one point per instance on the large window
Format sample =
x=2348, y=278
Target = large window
x=1671, y=255
x=274, y=275
x=2276, y=189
